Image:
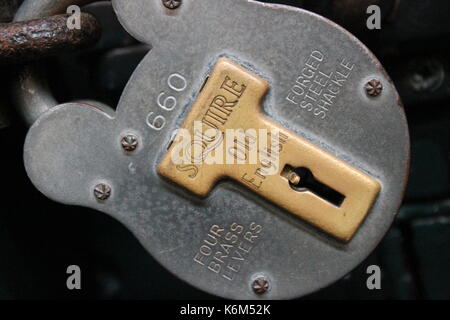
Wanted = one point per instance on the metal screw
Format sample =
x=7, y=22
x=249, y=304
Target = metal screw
x=374, y=87
x=129, y=142
x=102, y=191
x=260, y=285
x=172, y=4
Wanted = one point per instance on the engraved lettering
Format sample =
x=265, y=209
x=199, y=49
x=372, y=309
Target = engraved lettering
x=232, y=87
x=224, y=250
x=316, y=89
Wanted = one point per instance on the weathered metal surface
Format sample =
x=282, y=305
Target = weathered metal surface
x=71, y=148
x=34, y=39
x=30, y=90
x=225, y=108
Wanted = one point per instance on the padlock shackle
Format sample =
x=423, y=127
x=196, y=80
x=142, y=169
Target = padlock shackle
x=31, y=92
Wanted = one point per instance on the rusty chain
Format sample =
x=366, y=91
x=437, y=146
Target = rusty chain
x=34, y=39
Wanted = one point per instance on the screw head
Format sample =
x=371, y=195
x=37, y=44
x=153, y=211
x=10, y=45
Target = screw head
x=374, y=87
x=260, y=285
x=172, y=4
x=129, y=142
x=102, y=191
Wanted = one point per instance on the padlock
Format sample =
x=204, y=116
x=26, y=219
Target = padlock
x=313, y=106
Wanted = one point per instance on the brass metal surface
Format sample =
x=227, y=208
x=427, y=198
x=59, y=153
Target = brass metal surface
x=231, y=99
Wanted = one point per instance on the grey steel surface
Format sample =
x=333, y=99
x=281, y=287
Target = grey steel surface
x=31, y=93
x=72, y=148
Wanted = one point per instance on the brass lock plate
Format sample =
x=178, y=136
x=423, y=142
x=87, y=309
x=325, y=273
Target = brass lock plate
x=225, y=135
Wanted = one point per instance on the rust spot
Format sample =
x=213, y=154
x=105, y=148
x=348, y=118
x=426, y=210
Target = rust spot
x=36, y=39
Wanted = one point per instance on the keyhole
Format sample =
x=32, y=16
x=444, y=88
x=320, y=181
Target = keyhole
x=302, y=179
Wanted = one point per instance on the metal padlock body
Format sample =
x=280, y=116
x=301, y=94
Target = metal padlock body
x=72, y=147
